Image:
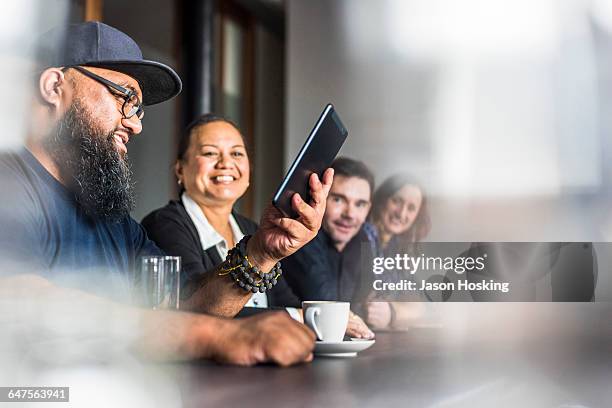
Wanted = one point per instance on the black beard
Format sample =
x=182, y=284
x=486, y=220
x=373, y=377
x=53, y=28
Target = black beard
x=100, y=179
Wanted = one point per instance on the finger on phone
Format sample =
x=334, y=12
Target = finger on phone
x=314, y=182
x=328, y=178
x=306, y=213
x=292, y=227
x=319, y=194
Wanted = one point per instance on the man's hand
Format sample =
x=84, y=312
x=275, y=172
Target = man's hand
x=266, y=337
x=379, y=314
x=357, y=328
x=278, y=237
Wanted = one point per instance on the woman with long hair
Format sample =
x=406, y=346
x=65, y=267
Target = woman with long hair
x=399, y=214
x=399, y=220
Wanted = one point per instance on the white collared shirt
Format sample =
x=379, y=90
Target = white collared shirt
x=209, y=237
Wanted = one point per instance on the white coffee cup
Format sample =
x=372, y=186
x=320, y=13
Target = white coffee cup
x=327, y=319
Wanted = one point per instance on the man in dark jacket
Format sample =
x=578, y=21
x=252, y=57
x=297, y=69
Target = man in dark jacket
x=333, y=266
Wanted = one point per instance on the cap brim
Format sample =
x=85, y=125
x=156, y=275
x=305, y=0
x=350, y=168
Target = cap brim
x=157, y=81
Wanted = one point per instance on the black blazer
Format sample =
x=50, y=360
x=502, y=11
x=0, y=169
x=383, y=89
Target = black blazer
x=172, y=229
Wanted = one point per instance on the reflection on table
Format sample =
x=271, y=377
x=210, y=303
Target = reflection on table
x=466, y=355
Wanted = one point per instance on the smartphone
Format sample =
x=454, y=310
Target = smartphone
x=315, y=156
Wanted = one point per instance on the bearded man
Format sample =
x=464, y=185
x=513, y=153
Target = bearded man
x=65, y=217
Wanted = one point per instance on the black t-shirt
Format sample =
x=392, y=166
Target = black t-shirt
x=43, y=230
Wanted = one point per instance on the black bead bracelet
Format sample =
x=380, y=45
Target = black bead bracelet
x=246, y=276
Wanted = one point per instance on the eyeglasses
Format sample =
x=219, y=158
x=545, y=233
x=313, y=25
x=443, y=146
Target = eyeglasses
x=131, y=103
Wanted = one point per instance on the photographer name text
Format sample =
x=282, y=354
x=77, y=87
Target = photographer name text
x=423, y=285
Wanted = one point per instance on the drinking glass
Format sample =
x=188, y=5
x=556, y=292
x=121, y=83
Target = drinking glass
x=157, y=282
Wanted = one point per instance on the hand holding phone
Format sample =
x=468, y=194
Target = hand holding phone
x=316, y=155
x=278, y=236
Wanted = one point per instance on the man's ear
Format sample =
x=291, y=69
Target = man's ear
x=50, y=86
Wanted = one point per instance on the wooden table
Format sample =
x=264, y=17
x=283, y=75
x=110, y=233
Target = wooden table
x=501, y=360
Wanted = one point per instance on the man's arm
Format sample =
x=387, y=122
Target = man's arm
x=216, y=295
x=39, y=314
x=276, y=238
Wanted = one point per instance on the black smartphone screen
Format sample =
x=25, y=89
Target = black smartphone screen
x=315, y=156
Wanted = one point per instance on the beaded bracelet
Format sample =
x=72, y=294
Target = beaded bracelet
x=244, y=274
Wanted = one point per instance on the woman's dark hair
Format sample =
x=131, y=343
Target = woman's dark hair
x=201, y=121
x=343, y=166
x=422, y=223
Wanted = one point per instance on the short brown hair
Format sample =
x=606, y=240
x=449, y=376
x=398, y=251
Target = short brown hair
x=344, y=166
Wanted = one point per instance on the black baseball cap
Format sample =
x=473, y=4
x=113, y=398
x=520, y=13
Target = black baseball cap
x=96, y=44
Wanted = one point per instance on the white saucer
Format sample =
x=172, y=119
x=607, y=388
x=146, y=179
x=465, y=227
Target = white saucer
x=342, y=348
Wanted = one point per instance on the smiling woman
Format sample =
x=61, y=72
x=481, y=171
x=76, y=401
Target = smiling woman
x=398, y=221
x=213, y=170
x=399, y=212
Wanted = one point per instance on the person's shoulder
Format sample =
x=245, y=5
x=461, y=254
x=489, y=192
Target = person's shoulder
x=12, y=165
x=9, y=158
x=168, y=221
x=367, y=235
x=18, y=178
x=135, y=233
x=369, y=231
x=21, y=171
x=173, y=210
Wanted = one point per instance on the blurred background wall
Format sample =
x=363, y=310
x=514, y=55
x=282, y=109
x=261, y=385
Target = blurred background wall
x=152, y=24
x=503, y=110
